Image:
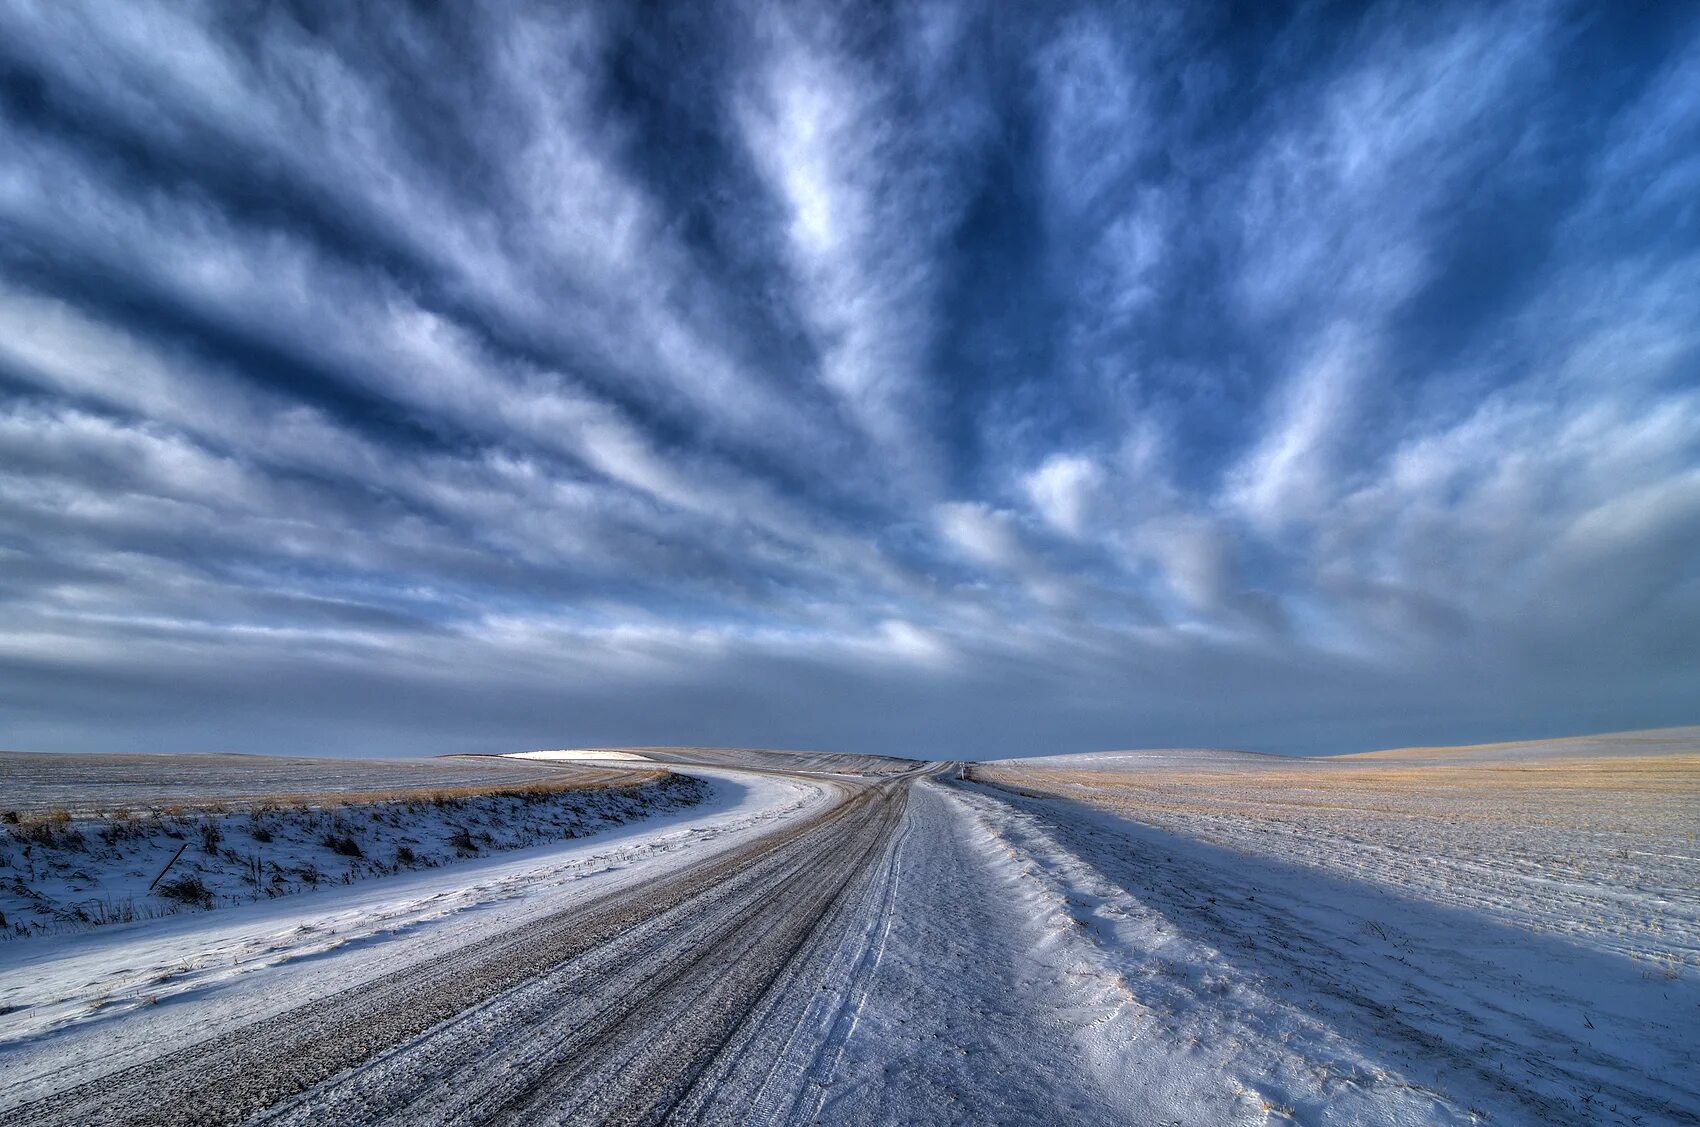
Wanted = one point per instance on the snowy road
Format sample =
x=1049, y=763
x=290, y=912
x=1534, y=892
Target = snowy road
x=878, y=950
x=624, y=1007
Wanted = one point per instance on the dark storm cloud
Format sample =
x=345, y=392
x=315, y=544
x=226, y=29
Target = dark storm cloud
x=943, y=380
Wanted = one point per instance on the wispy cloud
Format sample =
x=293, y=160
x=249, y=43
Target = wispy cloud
x=957, y=379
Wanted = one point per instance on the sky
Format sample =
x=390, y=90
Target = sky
x=940, y=379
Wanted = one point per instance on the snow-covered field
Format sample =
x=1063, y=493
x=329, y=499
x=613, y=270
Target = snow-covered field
x=72, y=1005
x=1595, y=839
x=64, y=873
x=1159, y=937
x=1507, y=941
x=85, y=784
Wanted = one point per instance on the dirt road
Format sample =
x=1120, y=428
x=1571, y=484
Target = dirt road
x=656, y=1003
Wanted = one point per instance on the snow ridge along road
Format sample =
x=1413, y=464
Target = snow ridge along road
x=610, y=1011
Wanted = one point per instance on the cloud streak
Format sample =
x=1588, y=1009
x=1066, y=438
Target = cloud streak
x=954, y=381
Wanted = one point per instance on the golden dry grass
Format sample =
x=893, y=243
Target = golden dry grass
x=32, y=785
x=1651, y=792
x=1507, y=836
x=592, y=779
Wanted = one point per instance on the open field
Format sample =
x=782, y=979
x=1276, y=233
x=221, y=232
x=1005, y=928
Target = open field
x=1652, y=743
x=1609, y=825
x=89, y=784
x=112, y=839
x=1175, y=937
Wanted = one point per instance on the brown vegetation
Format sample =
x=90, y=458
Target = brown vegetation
x=185, y=785
x=1655, y=792
x=550, y=780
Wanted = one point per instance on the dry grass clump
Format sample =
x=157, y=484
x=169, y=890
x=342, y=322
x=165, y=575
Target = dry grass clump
x=58, y=828
x=179, y=785
x=188, y=889
x=50, y=828
x=30, y=825
x=446, y=796
x=54, y=877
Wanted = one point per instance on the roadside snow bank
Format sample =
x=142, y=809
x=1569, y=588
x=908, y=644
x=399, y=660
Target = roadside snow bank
x=59, y=873
x=84, y=1004
x=972, y=1000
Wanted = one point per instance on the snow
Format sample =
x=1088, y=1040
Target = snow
x=1612, y=745
x=973, y=1002
x=1330, y=999
x=89, y=783
x=1170, y=937
x=1185, y=758
x=1041, y=960
x=580, y=755
x=1600, y=850
x=990, y=990
x=769, y=759
x=60, y=875
x=111, y=996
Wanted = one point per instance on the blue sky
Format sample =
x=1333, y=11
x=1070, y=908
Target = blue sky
x=946, y=380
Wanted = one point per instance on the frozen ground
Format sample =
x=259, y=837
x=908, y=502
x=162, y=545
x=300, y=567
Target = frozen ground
x=1315, y=998
x=84, y=784
x=1130, y=938
x=80, y=1005
x=1654, y=742
x=66, y=873
x=785, y=761
x=1597, y=840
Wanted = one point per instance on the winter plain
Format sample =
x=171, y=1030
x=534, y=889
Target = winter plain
x=1505, y=934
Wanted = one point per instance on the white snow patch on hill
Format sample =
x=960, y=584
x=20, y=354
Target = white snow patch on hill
x=580, y=755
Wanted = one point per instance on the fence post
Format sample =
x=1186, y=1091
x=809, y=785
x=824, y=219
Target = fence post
x=168, y=865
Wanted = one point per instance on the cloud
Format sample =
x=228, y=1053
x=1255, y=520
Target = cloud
x=862, y=154
x=1296, y=465
x=947, y=381
x=1062, y=489
x=981, y=534
x=1340, y=205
